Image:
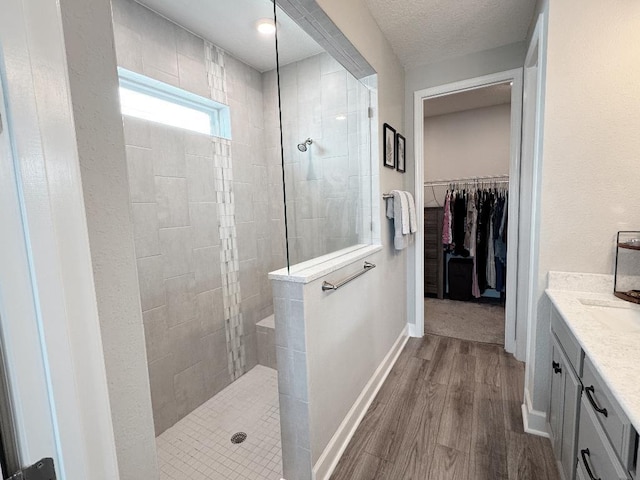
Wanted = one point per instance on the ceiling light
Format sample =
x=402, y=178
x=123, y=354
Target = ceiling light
x=341, y=117
x=266, y=26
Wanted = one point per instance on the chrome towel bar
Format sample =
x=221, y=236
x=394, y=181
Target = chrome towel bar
x=330, y=286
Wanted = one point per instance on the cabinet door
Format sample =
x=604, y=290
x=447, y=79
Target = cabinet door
x=556, y=405
x=569, y=454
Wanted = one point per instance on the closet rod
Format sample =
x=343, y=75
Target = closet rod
x=488, y=178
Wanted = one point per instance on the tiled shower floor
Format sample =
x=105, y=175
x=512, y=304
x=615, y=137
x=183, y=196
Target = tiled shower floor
x=199, y=446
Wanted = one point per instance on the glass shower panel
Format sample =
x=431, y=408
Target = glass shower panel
x=326, y=150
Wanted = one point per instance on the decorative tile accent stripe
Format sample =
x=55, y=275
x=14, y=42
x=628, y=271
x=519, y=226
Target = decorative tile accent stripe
x=229, y=262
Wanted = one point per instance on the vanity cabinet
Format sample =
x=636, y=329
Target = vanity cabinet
x=564, y=405
x=591, y=436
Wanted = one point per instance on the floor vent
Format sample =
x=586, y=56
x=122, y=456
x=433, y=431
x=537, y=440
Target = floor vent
x=238, y=437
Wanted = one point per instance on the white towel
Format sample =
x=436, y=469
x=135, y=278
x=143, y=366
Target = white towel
x=398, y=210
x=413, y=220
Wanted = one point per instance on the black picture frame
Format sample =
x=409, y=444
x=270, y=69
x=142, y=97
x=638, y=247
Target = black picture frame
x=389, y=151
x=401, y=153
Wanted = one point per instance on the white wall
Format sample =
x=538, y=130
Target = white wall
x=470, y=143
x=591, y=171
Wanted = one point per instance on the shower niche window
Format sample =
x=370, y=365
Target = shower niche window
x=148, y=99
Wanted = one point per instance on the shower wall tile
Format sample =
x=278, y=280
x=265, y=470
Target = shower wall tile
x=163, y=395
x=137, y=132
x=244, y=207
x=204, y=221
x=145, y=229
x=185, y=344
x=334, y=93
x=198, y=144
x=176, y=245
x=173, y=205
x=251, y=346
x=247, y=241
x=168, y=148
x=126, y=41
x=214, y=353
x=152, y=292
x=190, y=391
x=156, y=332
x=181, y=305
x=201, y=175
x=248, y=278
x=190, y=74
x=209, y=311
x=214, y=383
x=207, y=269
x=140, y=170
x=189, y=44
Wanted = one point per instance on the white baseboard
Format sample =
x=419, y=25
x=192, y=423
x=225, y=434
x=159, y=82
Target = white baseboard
x=534, y=421
x=327, y=462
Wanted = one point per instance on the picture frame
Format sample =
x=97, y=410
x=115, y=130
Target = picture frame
x=389, y=152
x=401, y=153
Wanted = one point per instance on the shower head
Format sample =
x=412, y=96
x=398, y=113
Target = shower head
x=303, y=146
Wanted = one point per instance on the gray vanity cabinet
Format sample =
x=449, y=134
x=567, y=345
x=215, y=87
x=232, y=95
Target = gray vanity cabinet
x=563, y=410
x=591, y=436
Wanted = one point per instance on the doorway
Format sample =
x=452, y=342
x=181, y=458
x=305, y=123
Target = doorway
x=441, y=113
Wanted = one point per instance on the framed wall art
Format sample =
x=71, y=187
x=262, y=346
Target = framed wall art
x=401, y=157
x=389, y=157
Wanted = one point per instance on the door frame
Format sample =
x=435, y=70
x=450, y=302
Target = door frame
x=535, y=421
x=515, y=76
x=60, y=403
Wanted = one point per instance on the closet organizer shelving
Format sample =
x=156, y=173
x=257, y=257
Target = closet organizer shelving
x=436, y=265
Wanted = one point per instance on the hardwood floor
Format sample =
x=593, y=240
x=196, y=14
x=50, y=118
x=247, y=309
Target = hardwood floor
x=449, y=409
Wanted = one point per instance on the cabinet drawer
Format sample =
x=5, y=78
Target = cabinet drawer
x=615, y=423
x=569, y=344
x=594, y=450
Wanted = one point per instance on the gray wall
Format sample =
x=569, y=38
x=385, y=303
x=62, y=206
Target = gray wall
x=173, y=201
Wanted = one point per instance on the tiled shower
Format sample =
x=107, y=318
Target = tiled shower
x=209, y=213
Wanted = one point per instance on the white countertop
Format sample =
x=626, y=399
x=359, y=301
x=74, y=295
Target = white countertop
x=609, y=336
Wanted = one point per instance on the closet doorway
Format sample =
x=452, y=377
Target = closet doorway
x=467, y=180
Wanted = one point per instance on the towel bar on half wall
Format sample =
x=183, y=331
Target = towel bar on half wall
x=331, y=286
x=387, y=195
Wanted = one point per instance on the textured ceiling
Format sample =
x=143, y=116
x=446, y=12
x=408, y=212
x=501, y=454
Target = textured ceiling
x=477, y=98
x=230, y=24
x=426, y=31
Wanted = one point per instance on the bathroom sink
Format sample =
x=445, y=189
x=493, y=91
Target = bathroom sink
x=620, y=317
x=613, y=303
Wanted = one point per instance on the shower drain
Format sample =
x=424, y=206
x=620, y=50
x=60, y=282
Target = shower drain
x=238, y=437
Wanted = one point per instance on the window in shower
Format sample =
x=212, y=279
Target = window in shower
x=148, y=99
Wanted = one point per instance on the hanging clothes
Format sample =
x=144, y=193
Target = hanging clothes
x=475, y=223
x=459, y=219
x=491, y=260
x=446, y=227
x=472, y=233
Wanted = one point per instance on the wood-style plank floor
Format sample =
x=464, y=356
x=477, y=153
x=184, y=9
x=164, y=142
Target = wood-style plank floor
x=449, y=409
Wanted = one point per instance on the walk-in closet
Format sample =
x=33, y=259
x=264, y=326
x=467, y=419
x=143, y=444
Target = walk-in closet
x=467, y=148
